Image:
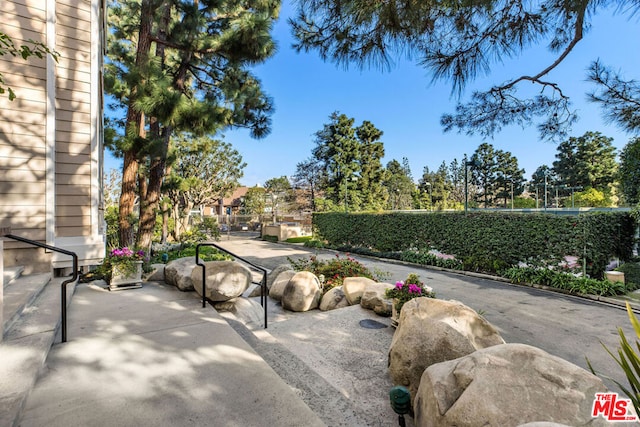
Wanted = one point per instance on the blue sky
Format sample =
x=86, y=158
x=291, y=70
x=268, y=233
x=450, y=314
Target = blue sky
x=404, y=104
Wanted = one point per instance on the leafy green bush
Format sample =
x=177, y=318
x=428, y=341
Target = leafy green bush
x=314, y=243
x=564, y=281
x=631, y=272
x=489, y=241
x=332, y=272
x=268, y=238
x=299, y=239
x=412, y=287
x=206, y=253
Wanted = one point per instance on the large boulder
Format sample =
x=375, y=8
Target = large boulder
x=277, y=287
x=374, y=298
x=224, y=280
x=249, y=312
x=271, y=277
x=334, y=298
x=273, y=274
x=354, y=287
x=156, y=274
x=433, y=331
x=178, y=273
x=506, y=385
x=302, y=293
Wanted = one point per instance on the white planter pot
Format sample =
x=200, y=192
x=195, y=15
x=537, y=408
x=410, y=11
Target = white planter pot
x=126, y=279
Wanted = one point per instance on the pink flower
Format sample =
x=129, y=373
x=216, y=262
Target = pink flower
x=414, y=289
x=399, y=285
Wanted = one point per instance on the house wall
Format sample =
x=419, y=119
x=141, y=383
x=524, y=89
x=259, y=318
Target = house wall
x=51, y=134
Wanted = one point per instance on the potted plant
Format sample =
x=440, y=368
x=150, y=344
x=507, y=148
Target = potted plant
x=404, y=291
x=126, y=268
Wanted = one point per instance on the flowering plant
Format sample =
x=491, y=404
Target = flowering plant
x=125, y=259
x=408, y=289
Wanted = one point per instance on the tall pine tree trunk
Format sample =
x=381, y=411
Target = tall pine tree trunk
x=135, y=127
x=150, y=203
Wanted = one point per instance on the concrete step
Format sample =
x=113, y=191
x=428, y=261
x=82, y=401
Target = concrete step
x=328, y=403
x=10, y=274
x=19, y=293
x=28, y=339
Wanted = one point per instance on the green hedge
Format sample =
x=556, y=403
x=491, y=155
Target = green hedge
x=487, y=240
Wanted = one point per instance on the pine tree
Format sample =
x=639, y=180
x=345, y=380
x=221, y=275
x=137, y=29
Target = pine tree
x=181, y=66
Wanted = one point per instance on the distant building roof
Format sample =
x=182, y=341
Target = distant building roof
x=234, y=199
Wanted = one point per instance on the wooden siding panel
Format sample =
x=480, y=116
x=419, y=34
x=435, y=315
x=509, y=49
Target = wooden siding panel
x=74, y=149
x=73, y=190
x=21, y=188
x=24, y=200
x=27, y=164
x=73, y=168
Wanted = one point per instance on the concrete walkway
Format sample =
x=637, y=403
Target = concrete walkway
x=155, y=357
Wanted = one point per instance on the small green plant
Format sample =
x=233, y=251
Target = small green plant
x=412, y=287
x=314, y=243
x=628, y=360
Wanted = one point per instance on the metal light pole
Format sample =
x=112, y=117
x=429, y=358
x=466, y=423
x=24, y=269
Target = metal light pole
x=545, y=191
x=467, y=163
x=511, y=195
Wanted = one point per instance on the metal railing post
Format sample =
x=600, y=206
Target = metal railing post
x=263, y=283
x=63, y=285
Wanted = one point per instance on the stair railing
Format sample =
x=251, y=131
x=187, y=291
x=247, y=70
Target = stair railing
x=63, y=285
x=263, y=282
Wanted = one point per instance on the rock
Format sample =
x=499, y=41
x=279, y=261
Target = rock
x=302, y=293
x=248, y=311
x=178, y=273
x=334, y=298
x=373, y=298
x=224, y=280
x=506, y=385
x=156, y=274
x=433, y=331
x=277, y=288
x=353, y=288
x=271, y=277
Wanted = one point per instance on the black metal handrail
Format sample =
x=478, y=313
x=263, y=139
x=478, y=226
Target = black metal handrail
x=63, y=285
x=263, y=282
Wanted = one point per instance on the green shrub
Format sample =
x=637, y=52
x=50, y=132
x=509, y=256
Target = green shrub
x=299, y=239
x=206, y=253
x=314, y=243
x=332, y=272
x=488, y=241
x=272, y=239
x=631, y=272
x=565, y=281
x=412, y=287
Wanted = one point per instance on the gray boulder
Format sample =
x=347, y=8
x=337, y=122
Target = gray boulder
x=373, y=298
x=156, y=274
x=248, y=311
x=507, y=385
x=302, y=293
x=433, y=331
x=178, y=273
x=224, y=280
x=334, y=298
x=271, y=277
x=277, y=287
x=354, y=287
x=273, y=274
